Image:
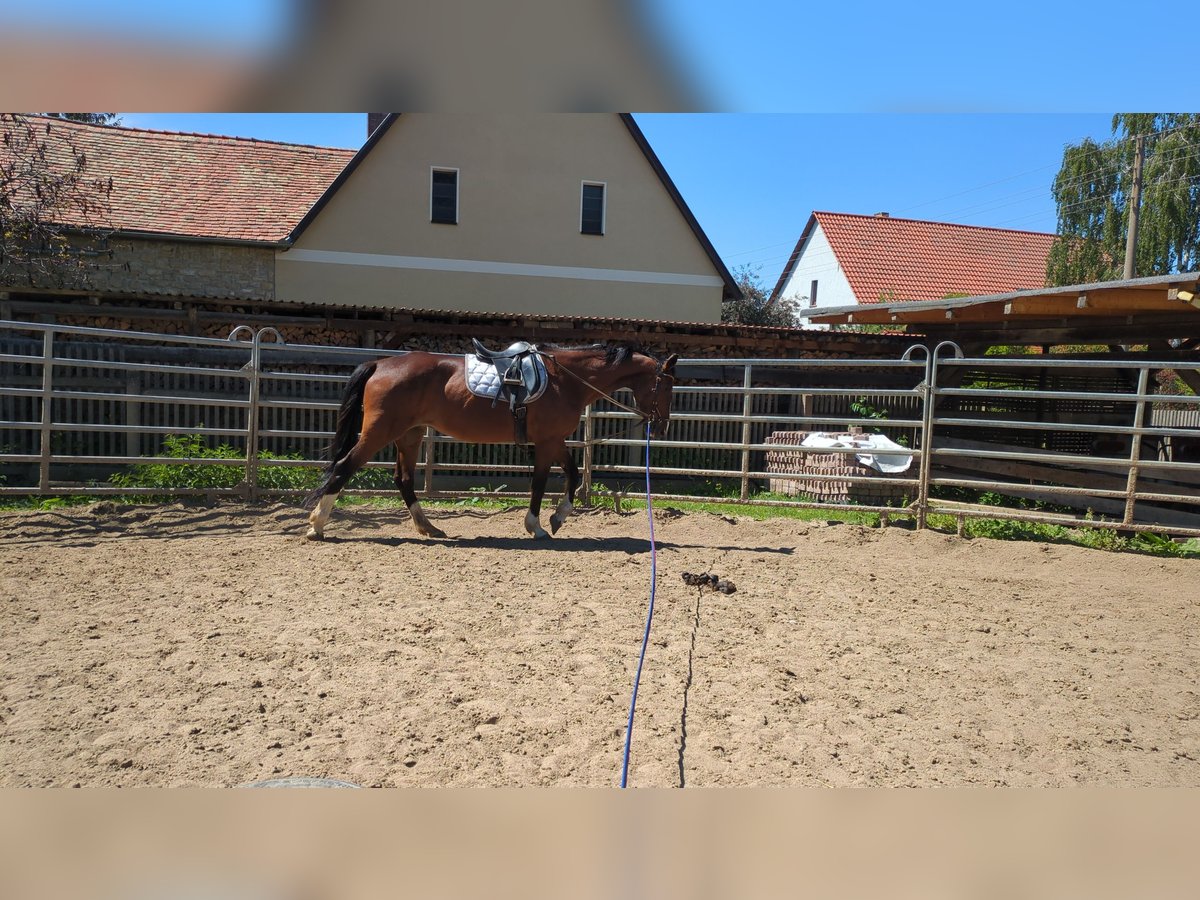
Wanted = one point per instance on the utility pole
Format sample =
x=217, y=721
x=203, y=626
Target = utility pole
x=1135, y=202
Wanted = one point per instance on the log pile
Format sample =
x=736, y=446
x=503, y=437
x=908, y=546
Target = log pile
x=445, y=332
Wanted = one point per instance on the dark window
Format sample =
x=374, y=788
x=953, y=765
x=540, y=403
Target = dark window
x=812, y=294
x=591, y=220
x=443, y=204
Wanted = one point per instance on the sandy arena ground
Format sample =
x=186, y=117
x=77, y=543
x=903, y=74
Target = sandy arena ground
x=192, y=646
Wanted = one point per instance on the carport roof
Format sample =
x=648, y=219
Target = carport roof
x=1115, y=312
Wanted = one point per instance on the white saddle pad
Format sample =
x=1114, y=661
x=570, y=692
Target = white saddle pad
x=483, y=379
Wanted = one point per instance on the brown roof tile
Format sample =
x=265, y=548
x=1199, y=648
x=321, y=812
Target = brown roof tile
x=200, y=185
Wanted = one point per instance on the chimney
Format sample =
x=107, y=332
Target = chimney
x=373, y=121
x=883, y=215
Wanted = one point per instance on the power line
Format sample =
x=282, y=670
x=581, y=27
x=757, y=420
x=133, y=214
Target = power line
x=1170, y=155
x=979, y=188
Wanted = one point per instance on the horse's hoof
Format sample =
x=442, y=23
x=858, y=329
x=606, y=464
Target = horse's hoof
x=555, y=524
x=435, y=532
x=533, y=528
x=314, y=535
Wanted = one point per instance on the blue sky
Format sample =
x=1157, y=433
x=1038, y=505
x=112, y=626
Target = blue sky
x=788, y=56
x=753, y=179
x=250, y=24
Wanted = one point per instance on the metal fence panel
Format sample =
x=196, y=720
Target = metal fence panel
x=1076, y=441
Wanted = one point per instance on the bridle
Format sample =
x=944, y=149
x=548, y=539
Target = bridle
x=653, y=418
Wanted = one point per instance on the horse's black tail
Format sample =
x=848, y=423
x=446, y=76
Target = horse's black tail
x=349, y=422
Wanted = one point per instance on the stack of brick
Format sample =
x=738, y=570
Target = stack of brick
x=833, y=470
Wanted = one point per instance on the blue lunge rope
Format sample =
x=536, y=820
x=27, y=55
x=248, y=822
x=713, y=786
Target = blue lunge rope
x=649, y=615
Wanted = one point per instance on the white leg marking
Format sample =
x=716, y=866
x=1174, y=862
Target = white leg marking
x=422, y=523
x=560, y=515
x=319, y=516
x=534, y=527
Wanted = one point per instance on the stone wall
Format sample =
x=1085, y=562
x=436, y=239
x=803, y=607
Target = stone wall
x=145, y=266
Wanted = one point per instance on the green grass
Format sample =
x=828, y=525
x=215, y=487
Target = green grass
x=167, y=475
x=753, y=511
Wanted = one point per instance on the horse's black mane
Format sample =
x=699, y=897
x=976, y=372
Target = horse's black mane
x=614, y=354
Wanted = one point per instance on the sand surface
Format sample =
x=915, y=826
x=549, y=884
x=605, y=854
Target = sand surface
x=192, y=646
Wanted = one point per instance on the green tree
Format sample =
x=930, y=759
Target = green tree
x=1093, y=190
x=754, y=307
x=46, y=196
x=88, y=118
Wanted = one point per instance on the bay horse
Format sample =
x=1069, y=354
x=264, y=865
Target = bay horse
x=392, y=400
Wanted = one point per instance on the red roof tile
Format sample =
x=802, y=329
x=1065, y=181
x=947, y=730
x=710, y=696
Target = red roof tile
x=200, y=185
x=907, y=259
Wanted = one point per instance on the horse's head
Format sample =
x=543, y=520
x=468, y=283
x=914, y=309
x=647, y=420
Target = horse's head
x=653, y=394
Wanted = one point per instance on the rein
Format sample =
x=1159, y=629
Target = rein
x=652, y=419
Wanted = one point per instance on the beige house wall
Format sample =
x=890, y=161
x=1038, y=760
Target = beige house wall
x=517, y=245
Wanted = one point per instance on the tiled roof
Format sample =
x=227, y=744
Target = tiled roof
x=906, y=259
x=200, y=185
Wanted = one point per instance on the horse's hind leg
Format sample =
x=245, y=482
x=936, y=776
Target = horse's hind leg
x=371, y=441
x=407, y=449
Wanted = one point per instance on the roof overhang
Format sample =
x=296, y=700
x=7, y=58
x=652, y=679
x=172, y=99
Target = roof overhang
x=372, y=139
x=1119, y=312
x=730, y=289
x=793, y=259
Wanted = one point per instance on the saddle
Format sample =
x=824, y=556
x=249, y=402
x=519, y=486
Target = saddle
x=516, y=374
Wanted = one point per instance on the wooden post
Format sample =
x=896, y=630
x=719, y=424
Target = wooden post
x=1135, y=202
x=589, y=454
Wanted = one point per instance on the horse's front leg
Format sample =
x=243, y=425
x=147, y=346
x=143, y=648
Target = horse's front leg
x=541, y=471
x=567, y=505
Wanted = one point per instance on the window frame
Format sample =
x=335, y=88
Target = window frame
x=433, y=170
x=603, y=185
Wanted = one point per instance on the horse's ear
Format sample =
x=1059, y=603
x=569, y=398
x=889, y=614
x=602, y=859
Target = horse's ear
x=669, y=365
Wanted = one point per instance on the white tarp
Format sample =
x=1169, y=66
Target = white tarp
x=871, y=444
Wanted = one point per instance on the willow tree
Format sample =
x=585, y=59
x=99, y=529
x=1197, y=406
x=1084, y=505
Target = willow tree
x=88, y=118
x=1093, y=191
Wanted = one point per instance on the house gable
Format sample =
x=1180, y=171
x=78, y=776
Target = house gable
x=813, y=265
x=517, y=244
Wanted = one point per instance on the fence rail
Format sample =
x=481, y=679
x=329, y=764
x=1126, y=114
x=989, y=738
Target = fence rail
x=1084, y=441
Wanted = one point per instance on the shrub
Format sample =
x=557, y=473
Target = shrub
x=198, y=476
